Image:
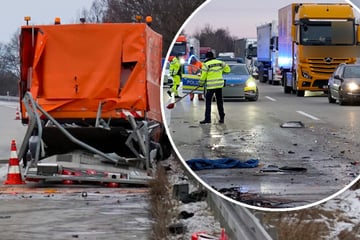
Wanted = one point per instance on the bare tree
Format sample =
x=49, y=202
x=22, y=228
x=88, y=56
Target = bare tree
x=9, y=66
x=168, y=15
x=10, y=55
x=219, y=39
x=96, y=12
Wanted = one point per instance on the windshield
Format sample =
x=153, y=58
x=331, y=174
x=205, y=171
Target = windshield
x=352, y=72
x=327, y=33
x=239, y=70
x=251, y=52
x=178, y=48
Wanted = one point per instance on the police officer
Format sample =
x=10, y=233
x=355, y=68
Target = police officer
x=175, y=72
x=213, y=81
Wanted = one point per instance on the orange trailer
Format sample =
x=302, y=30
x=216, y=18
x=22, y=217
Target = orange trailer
x=104, y=79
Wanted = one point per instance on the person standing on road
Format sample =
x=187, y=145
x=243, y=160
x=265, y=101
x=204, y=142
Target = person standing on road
x=213, y=81
x=175, y=72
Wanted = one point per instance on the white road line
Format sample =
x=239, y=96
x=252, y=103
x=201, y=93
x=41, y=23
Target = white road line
x=270, y=98
x=307, y=115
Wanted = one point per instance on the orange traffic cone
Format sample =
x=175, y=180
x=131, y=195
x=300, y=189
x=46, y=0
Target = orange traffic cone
x=14, y=174
x=17, y=116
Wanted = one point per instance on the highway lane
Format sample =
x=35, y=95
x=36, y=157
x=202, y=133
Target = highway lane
x=326, y=146
x=53, y=211
x=44, y=211
x=9, y=128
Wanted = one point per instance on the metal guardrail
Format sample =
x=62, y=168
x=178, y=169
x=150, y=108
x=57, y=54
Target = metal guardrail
x=9, y=98
x=238, y=221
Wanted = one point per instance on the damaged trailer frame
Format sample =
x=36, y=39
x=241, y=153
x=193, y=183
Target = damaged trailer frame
x=90, y=95
x=36, y=170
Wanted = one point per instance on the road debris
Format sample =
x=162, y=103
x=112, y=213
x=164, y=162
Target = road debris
x=292, y=124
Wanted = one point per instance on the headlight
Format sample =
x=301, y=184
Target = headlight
x=306, y=75
x=352, y=86
x=250, y=84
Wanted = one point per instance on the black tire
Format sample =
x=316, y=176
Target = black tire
x=165, y=148
x=331, y=99
x=341, y=102
x=300, y=93
x=341, y=99
x=254, y=99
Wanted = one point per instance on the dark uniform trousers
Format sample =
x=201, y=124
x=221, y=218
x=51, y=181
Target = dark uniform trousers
x=219, y=101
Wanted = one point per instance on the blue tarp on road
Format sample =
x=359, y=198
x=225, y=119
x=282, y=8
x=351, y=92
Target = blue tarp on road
x=221, y=163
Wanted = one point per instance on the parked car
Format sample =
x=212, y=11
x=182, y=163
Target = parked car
x=344, y=84
x=239, y=84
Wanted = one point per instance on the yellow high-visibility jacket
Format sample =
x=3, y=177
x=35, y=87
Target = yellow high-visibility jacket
x=174, y=68
x=212, y=73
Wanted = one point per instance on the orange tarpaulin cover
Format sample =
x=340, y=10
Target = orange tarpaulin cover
x=70, y=69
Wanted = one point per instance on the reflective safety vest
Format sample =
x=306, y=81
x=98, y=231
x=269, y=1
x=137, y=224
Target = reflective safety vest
x=175, y=66
x=212, y=73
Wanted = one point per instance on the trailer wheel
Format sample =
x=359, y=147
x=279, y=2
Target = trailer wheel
x=166, y=148
x=300, y=93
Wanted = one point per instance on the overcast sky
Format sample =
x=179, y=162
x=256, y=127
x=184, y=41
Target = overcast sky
x=12, y=13
x=240, y=18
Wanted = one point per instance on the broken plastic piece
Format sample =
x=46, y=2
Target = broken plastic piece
x=292, y=124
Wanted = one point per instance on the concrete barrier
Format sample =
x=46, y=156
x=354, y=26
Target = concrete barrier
x=9, y=98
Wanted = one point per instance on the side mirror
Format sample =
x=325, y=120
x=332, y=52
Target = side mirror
x=338, y=77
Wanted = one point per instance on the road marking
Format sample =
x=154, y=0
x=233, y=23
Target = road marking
x=307, y=115
x=270, y=98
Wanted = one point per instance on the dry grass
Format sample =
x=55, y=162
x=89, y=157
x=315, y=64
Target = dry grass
x=350, y=235
x=355, y=186
x=160, y=204
x=300, y=225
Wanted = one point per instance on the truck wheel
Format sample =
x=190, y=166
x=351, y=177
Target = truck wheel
x=300, y=93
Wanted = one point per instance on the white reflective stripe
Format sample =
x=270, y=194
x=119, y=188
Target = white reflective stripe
x=14, y=169
x=133, y=113
x=191, y=76
x=217, y=79
x=127, y=113
x=13, y=154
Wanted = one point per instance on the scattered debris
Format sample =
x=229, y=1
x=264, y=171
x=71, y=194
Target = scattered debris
x=196, y=196
x=292, y=124
x=253, y=198
x=297, y=169
x=185, y=215
x=177, y=228
x=274, y=168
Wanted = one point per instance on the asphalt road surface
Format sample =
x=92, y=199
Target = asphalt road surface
x=324, y=145
x=74, y=213
x=37, y=211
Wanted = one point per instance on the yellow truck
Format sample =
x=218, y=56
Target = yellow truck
x=314, y=38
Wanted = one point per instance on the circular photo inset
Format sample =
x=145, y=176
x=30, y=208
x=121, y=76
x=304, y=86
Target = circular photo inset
x=261, y=100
